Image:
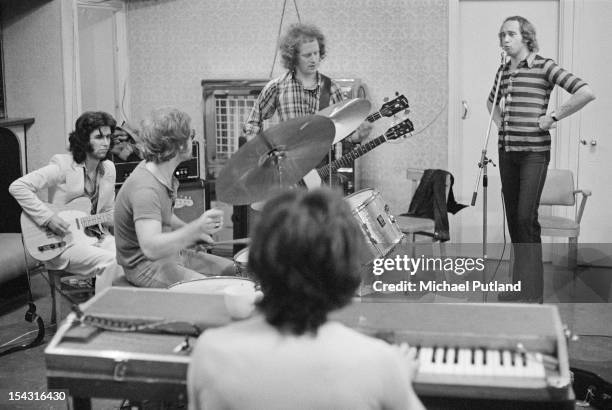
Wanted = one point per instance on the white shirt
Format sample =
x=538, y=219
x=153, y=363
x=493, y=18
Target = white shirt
x=250, y=365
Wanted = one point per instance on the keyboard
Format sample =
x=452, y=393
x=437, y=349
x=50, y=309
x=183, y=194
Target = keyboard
x=491, y=351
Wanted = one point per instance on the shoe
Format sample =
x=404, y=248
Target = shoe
x=518, y=297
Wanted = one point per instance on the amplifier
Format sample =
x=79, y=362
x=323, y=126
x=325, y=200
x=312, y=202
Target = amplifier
x=186, y=171
x=190, y=202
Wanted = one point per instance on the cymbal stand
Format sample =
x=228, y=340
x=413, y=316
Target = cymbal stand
x=275, y=155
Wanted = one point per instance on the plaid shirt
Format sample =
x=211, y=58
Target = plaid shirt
x=523, y=98
x=287, y=97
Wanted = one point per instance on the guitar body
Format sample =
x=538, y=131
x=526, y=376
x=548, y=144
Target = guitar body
x=44, y=245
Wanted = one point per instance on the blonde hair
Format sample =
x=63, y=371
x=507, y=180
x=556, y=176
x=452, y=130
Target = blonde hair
x=163, y=134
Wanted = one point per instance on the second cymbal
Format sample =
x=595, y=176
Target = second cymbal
x=347, y=116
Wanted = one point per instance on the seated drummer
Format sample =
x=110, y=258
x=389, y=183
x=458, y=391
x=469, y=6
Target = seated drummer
x=151, y=240
x=304, y=252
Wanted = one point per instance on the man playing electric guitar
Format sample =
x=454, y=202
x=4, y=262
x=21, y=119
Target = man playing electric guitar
x=84, y=173
x=302, y=90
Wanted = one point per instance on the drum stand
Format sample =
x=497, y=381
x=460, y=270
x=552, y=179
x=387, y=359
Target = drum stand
x=482, y=164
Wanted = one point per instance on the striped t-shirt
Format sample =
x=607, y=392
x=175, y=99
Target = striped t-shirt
x=523, y=98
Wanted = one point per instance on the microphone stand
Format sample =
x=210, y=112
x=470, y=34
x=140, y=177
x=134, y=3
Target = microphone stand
x=482, y=164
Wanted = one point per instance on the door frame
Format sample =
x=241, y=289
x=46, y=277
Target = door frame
x=70, y=58
x=565, y=151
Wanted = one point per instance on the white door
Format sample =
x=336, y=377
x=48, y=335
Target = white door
x=594, y=53
x=97, y=59
x=102, y=56
x=474, y=59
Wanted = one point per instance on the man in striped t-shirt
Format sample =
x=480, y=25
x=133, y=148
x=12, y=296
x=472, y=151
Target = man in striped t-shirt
x=520, y=113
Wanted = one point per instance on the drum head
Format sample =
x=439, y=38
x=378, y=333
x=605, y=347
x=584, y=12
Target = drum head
x=211, y=285
x=242, y=256
x=361, y=199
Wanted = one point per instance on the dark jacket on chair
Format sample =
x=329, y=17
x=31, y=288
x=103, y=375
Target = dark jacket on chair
x=429, y=201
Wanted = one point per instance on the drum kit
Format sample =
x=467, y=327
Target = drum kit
x=277, y=159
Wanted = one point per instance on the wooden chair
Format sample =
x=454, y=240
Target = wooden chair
x=559, y=190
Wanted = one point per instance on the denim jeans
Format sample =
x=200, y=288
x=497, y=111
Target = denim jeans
x=186, y=266
x=522, y=177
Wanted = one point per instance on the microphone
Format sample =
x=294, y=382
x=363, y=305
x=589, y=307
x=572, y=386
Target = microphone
x=503, y=57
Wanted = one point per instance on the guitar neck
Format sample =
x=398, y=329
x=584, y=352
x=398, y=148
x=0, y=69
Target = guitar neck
x=374, y=116
x=96, y=219
x=346, y=159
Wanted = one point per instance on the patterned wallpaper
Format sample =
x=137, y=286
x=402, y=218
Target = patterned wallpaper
x=390, y=45
x=33, y=74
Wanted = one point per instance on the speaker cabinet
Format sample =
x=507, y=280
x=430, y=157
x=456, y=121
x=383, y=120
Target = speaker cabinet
x=186, y=171
x=190, y=200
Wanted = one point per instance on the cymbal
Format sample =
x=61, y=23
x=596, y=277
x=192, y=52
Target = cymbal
x=274, y=159
x=347, y=116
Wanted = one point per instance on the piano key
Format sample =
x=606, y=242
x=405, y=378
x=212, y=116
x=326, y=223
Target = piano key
x=506, y=363
x=447, y=364
x=479, y=360
x=425, y=359
x=451, y=362
x=464, y=365
x=519, y=367
x=437, y=360
x=493, y=363
x=534, y=366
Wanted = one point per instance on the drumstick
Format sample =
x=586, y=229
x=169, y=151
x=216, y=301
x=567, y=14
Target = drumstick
x=243, y=241
x=240, y=241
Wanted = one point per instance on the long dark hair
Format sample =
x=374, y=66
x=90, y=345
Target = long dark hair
x=87, y=123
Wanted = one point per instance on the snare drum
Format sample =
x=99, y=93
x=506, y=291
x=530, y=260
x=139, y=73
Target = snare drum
x=377, y=224
x=210, y=285
x=241, y=262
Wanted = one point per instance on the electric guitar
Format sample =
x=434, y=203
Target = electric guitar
x=389, y=108
x=44, y=245
x=314, y=177
x=343, y=130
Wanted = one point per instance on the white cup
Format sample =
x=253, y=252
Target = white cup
x=239, y=300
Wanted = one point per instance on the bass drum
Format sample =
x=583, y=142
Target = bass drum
x=211, y=285
x=378, y=226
